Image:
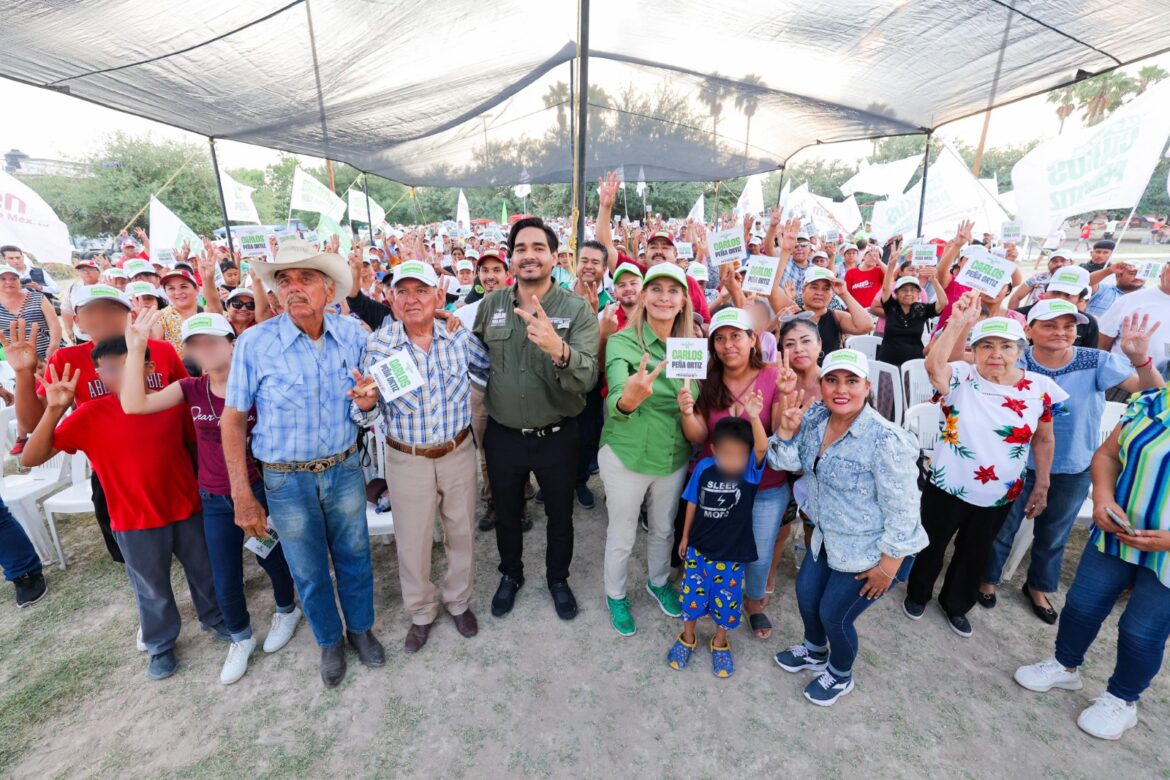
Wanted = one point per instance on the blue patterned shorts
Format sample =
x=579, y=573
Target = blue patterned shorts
x=712, y=588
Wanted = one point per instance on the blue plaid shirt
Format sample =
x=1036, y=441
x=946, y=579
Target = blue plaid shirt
x=299, y=388
x=440, y=410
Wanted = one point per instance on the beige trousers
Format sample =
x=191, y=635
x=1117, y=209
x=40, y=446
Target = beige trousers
x=418, y=488
x=479, y=418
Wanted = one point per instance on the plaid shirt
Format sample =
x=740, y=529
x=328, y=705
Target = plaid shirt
x=299, y=388
x=440, y=410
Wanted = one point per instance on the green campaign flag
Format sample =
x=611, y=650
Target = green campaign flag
x=504, y=213
x=327, y=227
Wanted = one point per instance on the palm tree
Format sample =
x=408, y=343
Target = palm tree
x=711, y=95
x=558, y=96
x=1065, y=100
x=747, y=100
x=1151, y=74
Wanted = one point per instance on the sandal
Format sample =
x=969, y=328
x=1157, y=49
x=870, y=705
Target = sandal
x=761, y=626
x=680, y=654
x=721, y=663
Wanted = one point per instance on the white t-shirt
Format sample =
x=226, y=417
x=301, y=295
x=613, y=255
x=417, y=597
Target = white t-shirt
x=466, y=314
x=1152, y=301
x=987, y=433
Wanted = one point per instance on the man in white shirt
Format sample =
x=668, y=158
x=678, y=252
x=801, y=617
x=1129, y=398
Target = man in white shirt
x=1153, y=301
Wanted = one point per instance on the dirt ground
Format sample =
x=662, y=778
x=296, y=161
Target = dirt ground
x=533, y=696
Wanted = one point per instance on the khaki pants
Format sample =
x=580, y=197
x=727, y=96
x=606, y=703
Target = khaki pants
x=479, y=418
x=418, y=487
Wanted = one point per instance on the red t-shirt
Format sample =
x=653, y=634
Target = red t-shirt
x=167, y=368
x=864, y=286
x=142, y=460
x=698, y=299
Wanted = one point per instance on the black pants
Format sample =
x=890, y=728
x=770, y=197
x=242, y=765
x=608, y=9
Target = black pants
x=589, y=424
x=102, y=512
x=511, y=456
x=974, y=529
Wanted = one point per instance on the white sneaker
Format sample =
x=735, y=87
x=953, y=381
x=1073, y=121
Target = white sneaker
x=138, y=641
x=237, y=661
x=1109, y=717
x=284, y=625
x=1046, y=675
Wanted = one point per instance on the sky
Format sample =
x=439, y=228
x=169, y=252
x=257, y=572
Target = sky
x=55, y=126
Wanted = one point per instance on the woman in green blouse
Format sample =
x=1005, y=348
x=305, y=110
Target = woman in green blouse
x=643, y=452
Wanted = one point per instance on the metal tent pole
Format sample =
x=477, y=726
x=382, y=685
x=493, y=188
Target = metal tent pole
x=369, y=213
x=780, y=189
x=925, y=170
x=582, y=113
x=222, y=201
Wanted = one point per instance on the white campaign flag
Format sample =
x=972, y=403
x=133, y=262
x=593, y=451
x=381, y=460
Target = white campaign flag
x=524, y=188
x=822, y=213
x=308, y=194
x=845, y=212
x=168, y=232
x=1101, y=167
x=29, y=223
x=238, y=199
x=357, y=208
x=641, y=180
x=699, y=211
x=621, y=174
x=462, y=213
x=887, y=179
x=782, y=200
x=751, y=200
x=952, y=195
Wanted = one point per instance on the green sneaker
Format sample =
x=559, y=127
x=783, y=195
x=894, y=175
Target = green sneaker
x=666, y=597
x=619, y=615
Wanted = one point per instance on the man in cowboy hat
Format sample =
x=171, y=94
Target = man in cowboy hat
x=298, y=370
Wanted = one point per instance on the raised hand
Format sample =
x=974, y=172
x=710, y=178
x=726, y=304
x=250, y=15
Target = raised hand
x=541, y=331
x=640, y=386
x=839, y=288
x=364, y=392
x=967, y=309
x=138, y=329
x=20, y=347
x=206, y=266
x=607, y=189
x=963, y=233
x=786, y=378
x=1135, y=337
x=686, y=402
x=609, y=321
x=333, y=245
x=790, y=290
x=792, y=409
x=788, y=234
x=59, y=391
x=588, y=291
x=753, y=404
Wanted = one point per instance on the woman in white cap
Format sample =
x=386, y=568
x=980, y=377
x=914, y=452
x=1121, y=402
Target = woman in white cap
x=905, y=315
x=820, y=284
x=995, y=413
x=644, y=455
x=30, y=305
x=736, y=370
x=862, y=474
x=183, y=294
x=144, y=296
x=209, y=342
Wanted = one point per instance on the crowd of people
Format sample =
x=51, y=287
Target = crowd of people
x=247, y=387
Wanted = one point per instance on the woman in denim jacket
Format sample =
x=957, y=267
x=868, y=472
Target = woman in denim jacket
x=864, y=494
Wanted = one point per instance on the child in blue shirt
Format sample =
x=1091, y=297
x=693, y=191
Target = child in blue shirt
x=717, y=539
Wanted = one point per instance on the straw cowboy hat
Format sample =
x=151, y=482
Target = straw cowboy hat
x=295, y=253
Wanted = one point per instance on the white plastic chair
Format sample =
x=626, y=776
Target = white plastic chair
x=867, y=345
x=380, y=524
x=925, y=422
x=75, y=499
x=8, y=426
x=915, y=382
x=886, y=390
x=21, y=493
x=7, y=376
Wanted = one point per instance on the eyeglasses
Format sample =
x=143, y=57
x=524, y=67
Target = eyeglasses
x=238, y=304
x=800, y=315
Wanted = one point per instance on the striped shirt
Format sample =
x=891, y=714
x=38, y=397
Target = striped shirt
x=1143, y=488
x=440, y=409
x=299, y=387
x=30, y=311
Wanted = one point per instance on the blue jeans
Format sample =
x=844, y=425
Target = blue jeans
x=17, y=556
x=321, y=517
x=767, y=512
x=1141, y=632
x=830, y=601
x=1065, y=495
x=225, y=547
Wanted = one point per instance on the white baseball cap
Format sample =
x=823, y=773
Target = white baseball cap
x=137, y=266
x=757, y=238
x=905, y=280
x=630, y=268
x=846, y=360
x=697, y=271
x=415, y=269
x=138, y=289
x=205, y=324
x=240, y=292
x=98, y=292
x=802, y=236
x=997, y=327
x=669, y=270
x=1051, y=308
x=465, y=265
x=116, y=273
x=7, y=269
x=730, y=317
x=1071, y=279
x=818, y=274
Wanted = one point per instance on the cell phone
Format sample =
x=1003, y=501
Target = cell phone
x=1121, y=522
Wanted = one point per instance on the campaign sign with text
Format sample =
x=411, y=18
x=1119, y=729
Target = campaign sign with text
x=1012, y=233
x=761, y=274
x=396, y=375
x=726, y=245
x=687, y=358
x=984, y=272
x=923, y=254
x=1151, y=269
x=252, y=244
x=685, y=249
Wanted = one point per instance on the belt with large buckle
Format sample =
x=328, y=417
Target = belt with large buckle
x=435, y=451
x=313, y=466
x=541, y=432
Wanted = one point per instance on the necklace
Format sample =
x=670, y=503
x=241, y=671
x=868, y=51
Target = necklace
x=210, y=405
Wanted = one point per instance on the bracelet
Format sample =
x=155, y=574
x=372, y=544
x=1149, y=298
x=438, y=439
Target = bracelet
x=1149, y=360
x=564, y=362
x=883, y=571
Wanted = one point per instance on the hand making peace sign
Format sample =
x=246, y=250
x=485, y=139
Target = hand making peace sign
x=541, y=331
x=640, y=386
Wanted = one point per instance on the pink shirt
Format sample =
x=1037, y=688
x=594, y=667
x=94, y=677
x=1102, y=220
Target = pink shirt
x=766, y=384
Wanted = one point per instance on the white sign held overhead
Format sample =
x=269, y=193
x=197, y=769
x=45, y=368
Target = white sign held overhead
x=686, y=359
x=1012, y=232
x=30, y=223
x=726, y=246
x=396, y=375
x=984, y=272
x=685, y=250
x=761, y=274
x=308, y=194
x=923, y=254
x=1150, y=270
x=238, y=200
x=252, y=244
x=1104, y=166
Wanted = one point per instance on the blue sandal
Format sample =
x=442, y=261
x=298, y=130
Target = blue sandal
x=721, y=663
x=680, y=654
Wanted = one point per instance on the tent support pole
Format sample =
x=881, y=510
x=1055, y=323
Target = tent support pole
x=582, y=115
x=780, y=189
x=227, y=227
x=369, y=213
x=925, y=169
x=1128, y=219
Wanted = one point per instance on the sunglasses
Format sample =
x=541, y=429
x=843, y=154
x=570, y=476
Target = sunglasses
x=800, y=315
x=238, y=304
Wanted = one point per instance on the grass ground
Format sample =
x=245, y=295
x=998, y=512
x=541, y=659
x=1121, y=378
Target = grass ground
x=534, y=697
